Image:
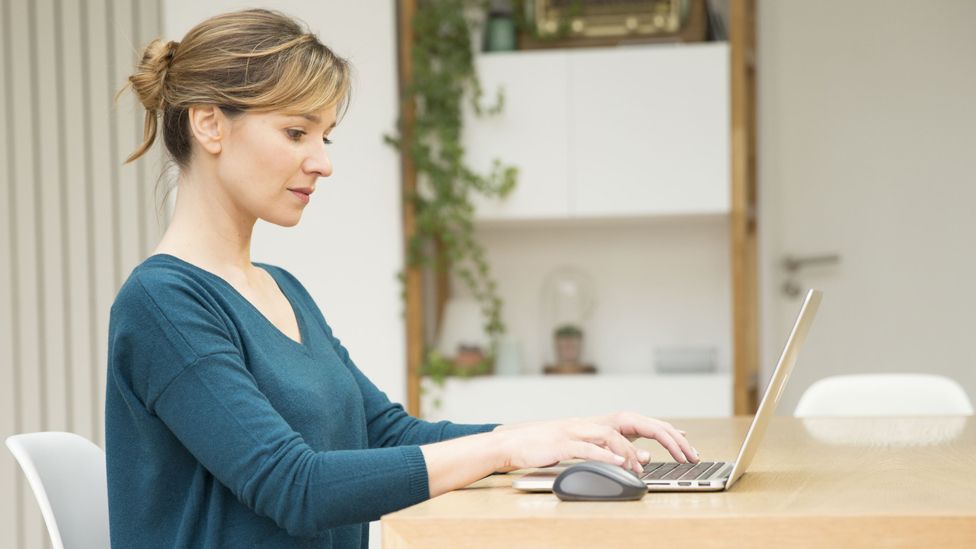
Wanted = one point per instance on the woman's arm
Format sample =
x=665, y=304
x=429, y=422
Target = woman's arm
x=456, y=463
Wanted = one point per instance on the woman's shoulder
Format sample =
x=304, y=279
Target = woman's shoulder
x=163, y=278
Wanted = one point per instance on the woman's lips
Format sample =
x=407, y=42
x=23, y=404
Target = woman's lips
x=304, y=197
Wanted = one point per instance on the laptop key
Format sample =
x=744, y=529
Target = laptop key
x=713, y=470
x=651, y=467
x=696, y=471
x=678, y=471
x=659, y=471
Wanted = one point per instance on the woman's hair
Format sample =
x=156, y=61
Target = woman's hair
x=253, y=60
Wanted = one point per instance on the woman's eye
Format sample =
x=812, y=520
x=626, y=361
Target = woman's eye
x=296, y=135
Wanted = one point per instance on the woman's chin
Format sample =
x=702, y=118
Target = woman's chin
x=287, y=220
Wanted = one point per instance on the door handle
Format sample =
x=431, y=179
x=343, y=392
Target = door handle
x=791, y=264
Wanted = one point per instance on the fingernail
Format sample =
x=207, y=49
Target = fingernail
x=619, y=459
x=696, y=452
x=644, y=455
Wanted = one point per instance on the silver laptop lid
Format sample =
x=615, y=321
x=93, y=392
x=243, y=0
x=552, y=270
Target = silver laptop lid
x=776, y=385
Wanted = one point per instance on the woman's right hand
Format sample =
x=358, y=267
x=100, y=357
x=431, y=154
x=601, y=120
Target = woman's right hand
x=546, y=443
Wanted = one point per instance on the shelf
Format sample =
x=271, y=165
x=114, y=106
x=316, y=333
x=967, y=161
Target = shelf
x=505, y=399
x=606, y=221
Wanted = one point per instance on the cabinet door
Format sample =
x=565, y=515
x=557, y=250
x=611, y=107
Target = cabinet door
x=530, y=133
x=649, y=130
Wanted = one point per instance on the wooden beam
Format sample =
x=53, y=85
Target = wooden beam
x=745, y=317
x=413, y=308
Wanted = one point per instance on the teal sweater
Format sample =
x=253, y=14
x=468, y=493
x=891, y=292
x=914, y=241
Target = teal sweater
x=221, y=431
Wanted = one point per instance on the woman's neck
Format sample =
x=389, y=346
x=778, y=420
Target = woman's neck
x=208, y=230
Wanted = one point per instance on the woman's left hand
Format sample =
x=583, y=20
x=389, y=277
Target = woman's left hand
x=633, y=425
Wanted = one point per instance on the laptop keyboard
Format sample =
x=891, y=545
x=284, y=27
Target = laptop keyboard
x=680, y=471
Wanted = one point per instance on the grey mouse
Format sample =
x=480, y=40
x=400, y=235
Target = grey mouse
x=598, y=481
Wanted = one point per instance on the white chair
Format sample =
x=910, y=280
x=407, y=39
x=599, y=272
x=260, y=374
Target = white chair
x=884, y=395
x=67, y=474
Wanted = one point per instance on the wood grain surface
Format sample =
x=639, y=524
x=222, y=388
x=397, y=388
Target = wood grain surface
x=858, y=482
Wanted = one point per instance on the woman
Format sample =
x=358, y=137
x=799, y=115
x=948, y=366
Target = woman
x=234, y=417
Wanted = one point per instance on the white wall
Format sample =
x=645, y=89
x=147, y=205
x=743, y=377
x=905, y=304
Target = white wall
x=347, y=248
x=867, y=132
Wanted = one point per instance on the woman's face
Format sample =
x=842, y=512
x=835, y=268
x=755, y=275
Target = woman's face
x=270, y=162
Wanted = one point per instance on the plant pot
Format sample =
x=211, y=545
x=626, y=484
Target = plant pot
x=470, y=361
x=569, y=349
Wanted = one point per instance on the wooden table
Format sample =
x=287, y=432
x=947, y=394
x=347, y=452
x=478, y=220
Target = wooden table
x=907, y=482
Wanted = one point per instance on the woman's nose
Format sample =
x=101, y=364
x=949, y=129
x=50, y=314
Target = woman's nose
x=319, y=162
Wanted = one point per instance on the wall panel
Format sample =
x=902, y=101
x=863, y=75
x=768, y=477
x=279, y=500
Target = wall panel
x=73, y=220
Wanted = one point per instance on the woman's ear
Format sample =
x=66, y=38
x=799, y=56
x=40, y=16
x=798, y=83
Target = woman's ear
x=208, y=126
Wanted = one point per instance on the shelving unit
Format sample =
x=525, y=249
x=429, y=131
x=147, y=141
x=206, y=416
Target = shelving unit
x=538, y=397
x=682, y=191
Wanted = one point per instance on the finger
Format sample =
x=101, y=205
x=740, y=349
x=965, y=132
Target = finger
x=617, y=443
x=589, y=451
x=670, y=437
x=679, y=437
x=665, y=439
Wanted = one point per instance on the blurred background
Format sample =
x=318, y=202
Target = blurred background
x=673, y=204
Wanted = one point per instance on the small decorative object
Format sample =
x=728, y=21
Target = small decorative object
x=462, y=339
x=508, y=359
x=500, y=32
x=470, y=360
x=569, y=344
x=674, y=359
x=573, y=23
x=460, y=347
x=567, y=301
x=569, y=347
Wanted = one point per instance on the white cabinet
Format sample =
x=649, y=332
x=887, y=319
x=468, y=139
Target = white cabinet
x=609, y=132
x=531, y=133
x=650, y=131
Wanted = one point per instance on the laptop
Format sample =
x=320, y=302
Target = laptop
x=712, y=476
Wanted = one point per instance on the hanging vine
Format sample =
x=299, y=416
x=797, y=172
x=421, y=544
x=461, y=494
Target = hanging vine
x=443, y=78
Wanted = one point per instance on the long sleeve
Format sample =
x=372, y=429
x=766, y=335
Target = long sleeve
x=217, y=412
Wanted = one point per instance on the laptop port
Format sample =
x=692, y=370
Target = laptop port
x=684, y=484
x=704, y=483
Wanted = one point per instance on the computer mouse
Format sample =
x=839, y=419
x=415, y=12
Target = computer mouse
x=598, y=481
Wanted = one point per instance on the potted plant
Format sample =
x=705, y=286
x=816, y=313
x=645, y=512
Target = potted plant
x=569, y=344
x=568, y=341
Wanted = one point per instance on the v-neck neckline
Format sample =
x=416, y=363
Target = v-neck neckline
x=299, y=318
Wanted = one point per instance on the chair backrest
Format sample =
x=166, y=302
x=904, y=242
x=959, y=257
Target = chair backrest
x=884, y=395
x=67, y=475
